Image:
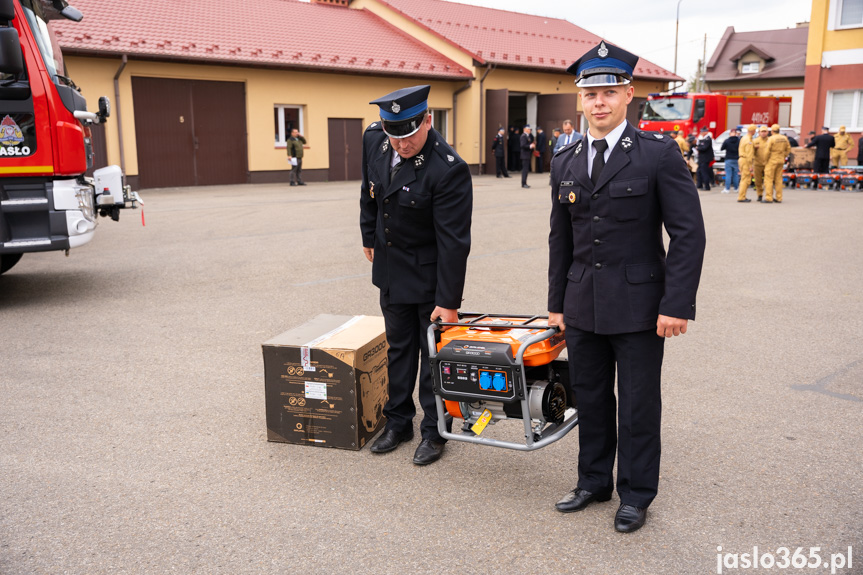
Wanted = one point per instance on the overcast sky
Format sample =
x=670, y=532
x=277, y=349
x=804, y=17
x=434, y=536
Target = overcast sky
x=646, y=28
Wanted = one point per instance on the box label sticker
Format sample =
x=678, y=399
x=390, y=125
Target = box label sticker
x=306, y=358
x=316, y=390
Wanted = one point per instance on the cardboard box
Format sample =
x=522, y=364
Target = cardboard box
x=801, y=158
x=326, y=382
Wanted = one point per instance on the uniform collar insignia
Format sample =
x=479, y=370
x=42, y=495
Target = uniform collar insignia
x=419, y=161
x=373, y=124
x=603, y=51
x=386, y=146
x=657, y=136
x=450, y=158
x=626, y=142
x=396, y=108
x=578, y=148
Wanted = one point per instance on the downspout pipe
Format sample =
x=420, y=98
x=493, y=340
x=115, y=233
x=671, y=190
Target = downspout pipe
x=488, y=69
x=455, y=112
x=119, y=118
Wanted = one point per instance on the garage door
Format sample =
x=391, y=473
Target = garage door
x=190, y=132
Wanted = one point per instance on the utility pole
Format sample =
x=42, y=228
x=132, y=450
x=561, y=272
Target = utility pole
x=703, y=69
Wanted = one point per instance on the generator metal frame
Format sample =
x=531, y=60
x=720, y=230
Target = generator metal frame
x=550, y=433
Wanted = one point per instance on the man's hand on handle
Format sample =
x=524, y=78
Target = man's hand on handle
x=557, y=319
x=670, y=326
x=445, y=315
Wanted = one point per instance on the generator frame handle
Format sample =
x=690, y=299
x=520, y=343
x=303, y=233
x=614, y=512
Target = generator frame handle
x=551, y=433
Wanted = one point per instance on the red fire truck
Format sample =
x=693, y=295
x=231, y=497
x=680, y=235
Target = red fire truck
x=718, y=112
x=46, y=200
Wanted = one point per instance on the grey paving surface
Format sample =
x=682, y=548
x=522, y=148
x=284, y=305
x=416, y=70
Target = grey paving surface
x=132, y=431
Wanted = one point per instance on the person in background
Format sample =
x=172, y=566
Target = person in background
x=526, y=145
x=295, y=155
x=568, y=137
x=732, y=169
x=555, y=135
x=498, y=147
x=777, y=150
x=839, y=153
x=746, y=153
x=822, y=144
x=681, y=143
x=704, y=147
x=760, y=145
x=541, y=147
x=514, y=149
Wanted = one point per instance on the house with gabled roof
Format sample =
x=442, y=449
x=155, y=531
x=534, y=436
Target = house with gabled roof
x=761, y=63
x=207, y=93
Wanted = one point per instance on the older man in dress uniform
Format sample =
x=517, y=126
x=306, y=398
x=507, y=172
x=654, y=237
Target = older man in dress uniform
x=415, y=215
x=612, y=286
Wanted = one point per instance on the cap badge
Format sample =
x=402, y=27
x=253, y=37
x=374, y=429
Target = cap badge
x=396, y=108
x=626, y=142
x=603, y=51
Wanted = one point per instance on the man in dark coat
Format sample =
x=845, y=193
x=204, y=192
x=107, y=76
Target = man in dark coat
x=704, y=146
x=611, y=286
x=822, y=144
x=542, y=148
x=514, y=149
x=526, y=146
x=415, y=216
x=498, y=147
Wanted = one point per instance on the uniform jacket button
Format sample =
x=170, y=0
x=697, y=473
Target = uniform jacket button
x=387, y=230
x=386, y=215
x=413, y=203
x=598, y=266
x=596, y=242
x=628, y=190
x=594, y=196
x=389, y=244
x=386, y=201
x=595, y=218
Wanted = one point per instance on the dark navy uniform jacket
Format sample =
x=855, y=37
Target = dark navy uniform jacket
x=418, y=224
x=608, y=269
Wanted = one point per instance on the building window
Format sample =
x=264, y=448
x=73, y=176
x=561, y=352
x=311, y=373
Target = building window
x=750, y=68
x=286, y=119
x=850, y=13
x=844, y=109
x=439, y=121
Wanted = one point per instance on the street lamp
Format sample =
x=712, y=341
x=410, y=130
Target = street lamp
x=676, y=30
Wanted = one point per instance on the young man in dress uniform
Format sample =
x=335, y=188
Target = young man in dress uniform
x=613, y=288
x=415, y=216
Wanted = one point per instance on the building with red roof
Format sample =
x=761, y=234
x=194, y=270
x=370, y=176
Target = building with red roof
x=206, y=93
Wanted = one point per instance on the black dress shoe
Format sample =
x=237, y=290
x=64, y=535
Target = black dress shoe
x=390, y=439
x=746, y=200
x=578, y=499
x=428, y=451
x=629, y=518
x=525, y=186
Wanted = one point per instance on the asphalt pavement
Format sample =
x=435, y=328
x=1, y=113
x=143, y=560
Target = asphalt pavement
x=133, y=434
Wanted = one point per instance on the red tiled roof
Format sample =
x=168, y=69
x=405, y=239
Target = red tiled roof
x=784, y=50
x=280, y=33
x=511, y=38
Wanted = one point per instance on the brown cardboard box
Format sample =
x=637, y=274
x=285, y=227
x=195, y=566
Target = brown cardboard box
x=326, y=382
x=801, y=158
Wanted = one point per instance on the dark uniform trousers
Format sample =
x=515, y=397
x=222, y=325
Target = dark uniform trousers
x=592, y=360
x=610, y=276
x=417, y=219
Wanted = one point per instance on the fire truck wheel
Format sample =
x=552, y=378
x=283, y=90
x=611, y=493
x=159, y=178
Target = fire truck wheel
x=7, y=261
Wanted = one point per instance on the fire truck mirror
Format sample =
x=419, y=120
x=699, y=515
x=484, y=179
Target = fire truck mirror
x=104, y=108
x=7, y=11
x=11, y=61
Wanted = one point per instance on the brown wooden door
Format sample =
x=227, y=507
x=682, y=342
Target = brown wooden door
x=345, y=149
x=496, y=117
x=189, y=132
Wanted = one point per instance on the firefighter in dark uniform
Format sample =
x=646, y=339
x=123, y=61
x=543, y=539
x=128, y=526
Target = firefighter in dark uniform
x=613, y=288
x=415, y=216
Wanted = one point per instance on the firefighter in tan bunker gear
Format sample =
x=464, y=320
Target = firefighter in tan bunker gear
x=747, y=156
x=839, y=153
x=760, y=145
x=777, y=149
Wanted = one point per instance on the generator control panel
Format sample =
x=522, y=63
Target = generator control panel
x=464, y=370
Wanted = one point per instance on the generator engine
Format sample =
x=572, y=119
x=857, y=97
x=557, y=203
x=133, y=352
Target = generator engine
x=488, y=368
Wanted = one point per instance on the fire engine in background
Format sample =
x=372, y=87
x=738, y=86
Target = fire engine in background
x=46, y=201
x=684, y=111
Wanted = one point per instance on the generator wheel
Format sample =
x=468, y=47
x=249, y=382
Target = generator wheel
x=7, y=261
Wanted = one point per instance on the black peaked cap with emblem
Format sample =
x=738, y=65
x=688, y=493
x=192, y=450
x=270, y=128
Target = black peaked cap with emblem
x=402, y=111
x=604, y=65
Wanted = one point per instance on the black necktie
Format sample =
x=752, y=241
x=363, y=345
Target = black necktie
x=598, y=160
x=395, y=169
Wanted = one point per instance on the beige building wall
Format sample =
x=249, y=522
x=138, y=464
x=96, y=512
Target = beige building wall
x=319, y=95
